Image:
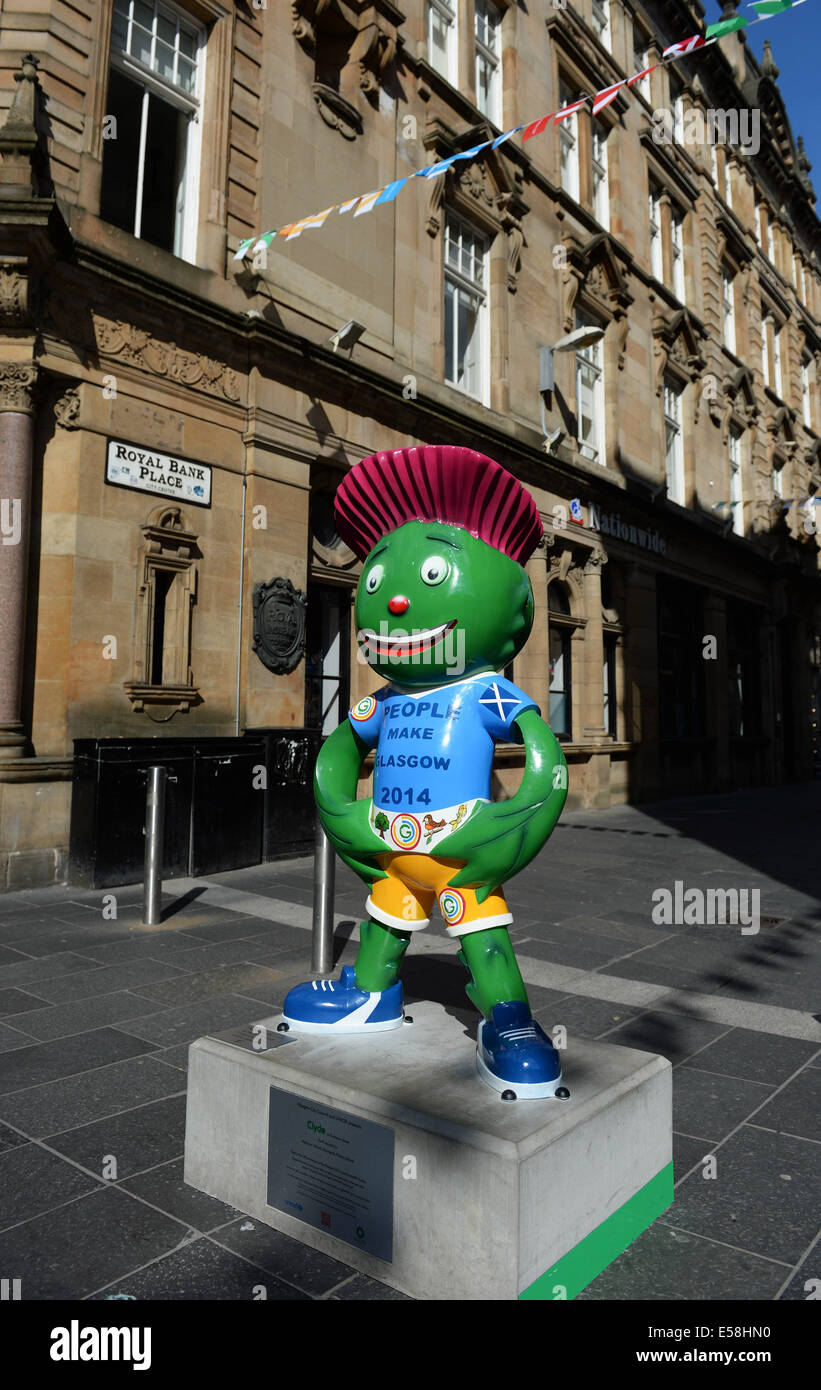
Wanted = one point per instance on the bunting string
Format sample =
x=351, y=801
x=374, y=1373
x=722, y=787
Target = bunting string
x=366, y=202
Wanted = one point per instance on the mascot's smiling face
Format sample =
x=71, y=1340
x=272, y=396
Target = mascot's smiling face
x=434, y=604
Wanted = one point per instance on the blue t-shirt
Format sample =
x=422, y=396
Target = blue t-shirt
x=435, y=748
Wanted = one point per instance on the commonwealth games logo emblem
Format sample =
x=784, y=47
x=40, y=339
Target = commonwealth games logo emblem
x=452, y=906
x=364, y=709
x=406, y=832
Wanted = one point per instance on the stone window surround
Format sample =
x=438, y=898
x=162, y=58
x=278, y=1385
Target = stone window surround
x=217, y=20
x=167, y=546
x=486, y=195
x=430, y=77
x=669, y=207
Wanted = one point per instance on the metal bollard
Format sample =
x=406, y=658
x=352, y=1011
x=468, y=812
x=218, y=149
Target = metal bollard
x=322, y=936
x=154, y=827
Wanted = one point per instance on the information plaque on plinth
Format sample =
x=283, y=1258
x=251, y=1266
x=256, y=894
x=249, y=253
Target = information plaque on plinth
x=390, y=1154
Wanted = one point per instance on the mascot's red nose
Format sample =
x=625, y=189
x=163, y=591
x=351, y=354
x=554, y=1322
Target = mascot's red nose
x=399, y=604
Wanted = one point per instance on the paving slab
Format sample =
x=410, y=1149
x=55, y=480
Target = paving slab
x=33, y=1181
x=56, y=1106
x=764, y=1198
x=70, y=1252
x=669, y=1264
x=135, y=1139
x=205, y=1272
x=36, y=1063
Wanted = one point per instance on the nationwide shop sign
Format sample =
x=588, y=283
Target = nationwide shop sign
x=146, y=470
x=611, y=524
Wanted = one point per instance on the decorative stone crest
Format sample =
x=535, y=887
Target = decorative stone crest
x=279, y=625
x=67, y=409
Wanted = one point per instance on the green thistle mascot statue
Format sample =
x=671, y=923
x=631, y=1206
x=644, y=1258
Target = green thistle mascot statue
x=443, y=605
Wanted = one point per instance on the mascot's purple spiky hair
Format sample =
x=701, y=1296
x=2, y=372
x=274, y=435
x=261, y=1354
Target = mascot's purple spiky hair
x=438, y=482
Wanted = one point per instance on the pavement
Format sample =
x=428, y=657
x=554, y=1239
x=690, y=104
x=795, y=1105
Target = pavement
x=98, y=1013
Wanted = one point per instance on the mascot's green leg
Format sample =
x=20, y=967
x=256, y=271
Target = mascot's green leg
x=495, y=977
x=380, y=955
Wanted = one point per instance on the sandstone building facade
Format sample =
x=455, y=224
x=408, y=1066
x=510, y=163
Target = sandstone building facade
x=173, y=422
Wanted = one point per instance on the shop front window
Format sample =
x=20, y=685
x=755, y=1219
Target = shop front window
x=561, y=628
x=609, y=685
x=680, y=669
x=743, y=667
x=327, y=657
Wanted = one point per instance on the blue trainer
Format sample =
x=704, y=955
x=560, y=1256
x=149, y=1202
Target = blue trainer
x=514, y=1054
x=340, y=1006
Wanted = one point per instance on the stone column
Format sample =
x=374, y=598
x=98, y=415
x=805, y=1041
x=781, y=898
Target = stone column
x=641, y=679
x=17, y=384
x=593, y=710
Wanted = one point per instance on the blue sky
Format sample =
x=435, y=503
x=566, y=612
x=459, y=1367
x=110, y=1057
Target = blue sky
x=795, y=39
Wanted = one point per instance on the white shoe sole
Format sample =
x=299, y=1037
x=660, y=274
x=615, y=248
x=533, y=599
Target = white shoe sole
x=296, y=1025
x=541, y=1090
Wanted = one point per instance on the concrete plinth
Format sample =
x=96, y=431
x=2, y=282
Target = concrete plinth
x=503, y=1200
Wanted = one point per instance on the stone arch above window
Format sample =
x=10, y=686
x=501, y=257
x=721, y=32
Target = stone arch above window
x=677, y=348
x=593, y=268
x=166, y=593
x=734, y=407
x=488, y=191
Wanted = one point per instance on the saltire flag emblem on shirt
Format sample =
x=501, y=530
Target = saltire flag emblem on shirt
x=365, y=202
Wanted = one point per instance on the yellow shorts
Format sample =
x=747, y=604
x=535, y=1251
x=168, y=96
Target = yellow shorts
x=404, y=899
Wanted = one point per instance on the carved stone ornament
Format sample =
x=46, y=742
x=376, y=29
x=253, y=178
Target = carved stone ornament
x=491, y=182
x=279, y=625
x=676, y=342
x=135, y=346
x=365, y=40
x=374, y=49
x=67, y=409
x=736, y=400
x=14, y=292
x=18, y=381
x=336, y=112
x=595, y=265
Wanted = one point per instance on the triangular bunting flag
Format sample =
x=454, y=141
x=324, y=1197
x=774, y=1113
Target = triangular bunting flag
x=536, y=127
x=637, y=76
x=433, y=170
x=388, y=194
x=500, y=139
x=570, y=110
x=266, y=239
x=684, y=46
x=368, y=201
x=606, y=95
x=726, y=26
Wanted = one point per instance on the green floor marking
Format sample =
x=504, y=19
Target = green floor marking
x=579, y=1267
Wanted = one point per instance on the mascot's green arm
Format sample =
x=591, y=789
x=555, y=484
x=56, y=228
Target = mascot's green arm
x=344, y=819
x=501, y=837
